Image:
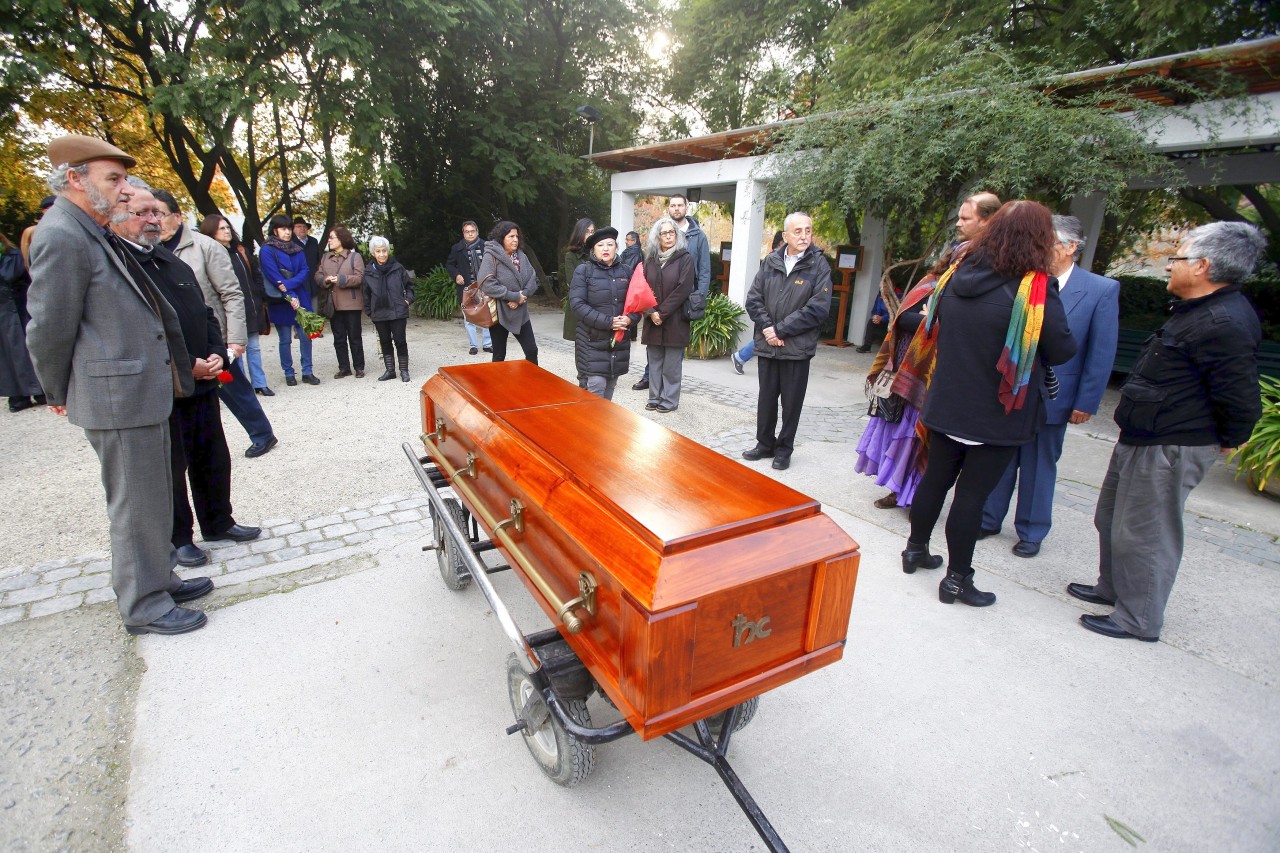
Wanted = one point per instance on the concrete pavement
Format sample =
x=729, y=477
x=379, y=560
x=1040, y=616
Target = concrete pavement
x=363, y=706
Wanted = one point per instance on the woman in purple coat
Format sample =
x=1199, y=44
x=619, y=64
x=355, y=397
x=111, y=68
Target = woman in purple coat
x=285, y=277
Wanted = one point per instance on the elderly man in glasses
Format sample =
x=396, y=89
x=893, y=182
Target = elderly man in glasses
x=1192, y=395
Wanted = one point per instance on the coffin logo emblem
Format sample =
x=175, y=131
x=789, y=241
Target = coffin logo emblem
x=744, y=630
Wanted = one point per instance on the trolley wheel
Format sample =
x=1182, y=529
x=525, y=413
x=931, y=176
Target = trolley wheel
x=562, y=757
x=746, y=713
x=453, y=571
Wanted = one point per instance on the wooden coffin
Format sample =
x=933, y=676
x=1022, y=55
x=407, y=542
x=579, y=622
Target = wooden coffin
x=713, y=583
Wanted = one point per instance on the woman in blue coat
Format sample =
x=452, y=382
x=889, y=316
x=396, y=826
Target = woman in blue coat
x=285, y=276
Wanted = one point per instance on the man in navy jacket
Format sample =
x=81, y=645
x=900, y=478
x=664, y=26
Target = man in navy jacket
x=1092, y=304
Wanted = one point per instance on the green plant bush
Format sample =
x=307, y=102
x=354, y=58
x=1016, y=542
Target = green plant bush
x=435, y=295
x=1259, y=458
x=716, y=334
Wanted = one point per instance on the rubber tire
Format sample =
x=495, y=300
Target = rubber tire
x=453, y=571
x=746, y=713
x=563, y=758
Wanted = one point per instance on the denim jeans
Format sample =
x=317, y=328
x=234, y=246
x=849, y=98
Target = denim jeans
x=286, y=349
x=471, y=335
x=252, y=362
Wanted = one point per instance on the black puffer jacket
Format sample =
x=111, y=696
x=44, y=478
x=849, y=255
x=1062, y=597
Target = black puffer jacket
x=795, y=304
x=596, y=296
x=973, y=316
x=388, y=290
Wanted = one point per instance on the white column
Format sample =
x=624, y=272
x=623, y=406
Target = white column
x=748, y=233
x=866, y=283
x=1089, y=209
x=622, y=213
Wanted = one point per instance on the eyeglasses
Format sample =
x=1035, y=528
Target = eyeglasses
x=148, y=214
x=1173, y=258
x=666, y=233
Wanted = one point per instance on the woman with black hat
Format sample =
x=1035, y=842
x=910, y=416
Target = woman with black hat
x=596, y=297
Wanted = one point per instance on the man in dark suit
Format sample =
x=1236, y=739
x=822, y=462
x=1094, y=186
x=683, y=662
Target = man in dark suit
x=1093, y=314
x=111, y=357
x=310, y=248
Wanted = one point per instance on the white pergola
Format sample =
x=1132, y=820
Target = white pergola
x=1214, y=146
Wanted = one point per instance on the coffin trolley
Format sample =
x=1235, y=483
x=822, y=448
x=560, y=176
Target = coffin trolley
x=682, y=585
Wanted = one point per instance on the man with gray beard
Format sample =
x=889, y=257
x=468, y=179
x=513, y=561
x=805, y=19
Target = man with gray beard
x=111, y=358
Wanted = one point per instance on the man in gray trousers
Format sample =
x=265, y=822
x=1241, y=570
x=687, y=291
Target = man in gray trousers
x=111, y=358
x=1192, y=395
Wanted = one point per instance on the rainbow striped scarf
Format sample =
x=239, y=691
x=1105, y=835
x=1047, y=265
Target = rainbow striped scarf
x=1022, y=340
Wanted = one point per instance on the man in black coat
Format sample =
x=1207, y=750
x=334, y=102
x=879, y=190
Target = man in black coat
x=788, y=302
x=1192, y=395
x=310, y=249
x=198, y=445
x=464, y=260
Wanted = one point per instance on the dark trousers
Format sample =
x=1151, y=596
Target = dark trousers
x=392, y=331
x=499, y=334
x=199, y=452
x=346, y=336
x=974, y=469
x=243, y=403
x=787, y=379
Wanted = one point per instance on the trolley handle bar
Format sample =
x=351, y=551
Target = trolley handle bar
x=528, y=658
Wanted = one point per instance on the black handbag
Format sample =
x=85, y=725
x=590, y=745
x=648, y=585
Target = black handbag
x=887, y=409
x=695, y=307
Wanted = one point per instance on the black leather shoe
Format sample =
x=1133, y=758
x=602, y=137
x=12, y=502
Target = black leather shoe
x=1106, y=627
x=756, y=453
x=473, y=351
x=985, y=532
x=642, y=385
x=488, y=349
x=310, y=379
x=1084, y=592
x=781, y=463
x=20, y=405
x=190, y=556
x=40, y=400
x=342, y=374
x=650, y=406
x=959, y=587
x=236, y=533
x=192, y=589
x=290, y=381
x=179, y=620
x=666, y=410
x=1026, y=549
x=256, y=450
x=264, y=391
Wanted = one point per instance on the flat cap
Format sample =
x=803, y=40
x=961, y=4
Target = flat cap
x=76, y=150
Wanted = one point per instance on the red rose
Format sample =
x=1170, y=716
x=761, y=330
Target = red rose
x=225, y=378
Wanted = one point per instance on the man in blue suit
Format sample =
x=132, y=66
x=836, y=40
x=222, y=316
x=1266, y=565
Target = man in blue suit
x=1093, y=313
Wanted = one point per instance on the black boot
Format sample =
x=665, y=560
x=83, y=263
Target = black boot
x=404, y=367
x=960, y=586
x=918, y=557
x=390, y=362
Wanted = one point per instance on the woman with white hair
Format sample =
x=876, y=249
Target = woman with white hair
x=668, y=267
x=388, y=290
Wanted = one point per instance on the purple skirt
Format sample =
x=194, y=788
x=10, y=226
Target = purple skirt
x=888, y=452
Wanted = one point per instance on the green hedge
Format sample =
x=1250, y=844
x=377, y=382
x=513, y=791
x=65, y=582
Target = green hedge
x=1144, y=301
x=435, y=295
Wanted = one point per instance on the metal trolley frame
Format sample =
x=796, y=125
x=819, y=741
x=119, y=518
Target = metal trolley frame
x=553, y=682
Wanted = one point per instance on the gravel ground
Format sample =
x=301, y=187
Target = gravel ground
x=68, y=682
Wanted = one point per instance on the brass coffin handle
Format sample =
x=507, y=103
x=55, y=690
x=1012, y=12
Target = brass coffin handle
x=439, y=435
x=502, y=532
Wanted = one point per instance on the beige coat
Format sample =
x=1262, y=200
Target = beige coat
x=349, y=268
x=218, y=281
